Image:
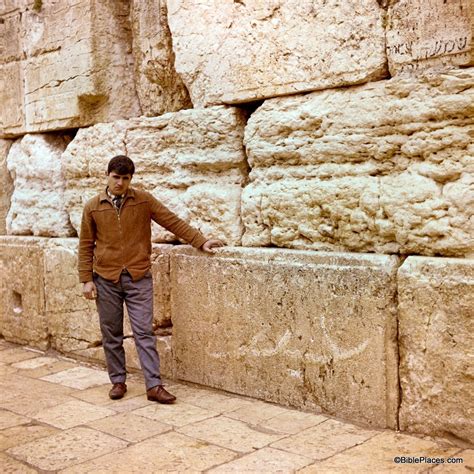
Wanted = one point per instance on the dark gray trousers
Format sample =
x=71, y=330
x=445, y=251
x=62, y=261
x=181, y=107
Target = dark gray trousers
x=138, y=296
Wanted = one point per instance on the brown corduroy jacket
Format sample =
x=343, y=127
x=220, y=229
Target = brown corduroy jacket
x=111, y=242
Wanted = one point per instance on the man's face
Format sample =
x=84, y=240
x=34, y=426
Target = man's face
x=118, y=183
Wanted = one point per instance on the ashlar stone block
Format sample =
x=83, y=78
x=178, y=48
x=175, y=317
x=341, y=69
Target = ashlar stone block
x=177, y=156
x=310, y=330
x=6, y=185
x=436, y=311
x=37, y=203
x=73, y=322
x=429, y=34
x=22, y=315
x=239, y=51
x=385, y=167
x=66, y=64
x=159, y=88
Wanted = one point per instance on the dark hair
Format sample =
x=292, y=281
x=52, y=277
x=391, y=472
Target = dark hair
x=121, y=164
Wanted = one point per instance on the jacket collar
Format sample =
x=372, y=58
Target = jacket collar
x=103, y=196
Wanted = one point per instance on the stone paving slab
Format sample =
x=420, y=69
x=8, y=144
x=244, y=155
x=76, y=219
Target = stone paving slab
x=22, y=434
x=378, y=453
x=130, y=427
x=79, y=377
x=274, y=460
x=66, y=448
x=42, y=366
x=324, y=440
x=179, y=414
x=231, y=434
x=72, y=414
x=9, y=419
x=69, y=425
x=10, y=465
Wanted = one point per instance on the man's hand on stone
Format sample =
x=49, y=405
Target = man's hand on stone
x=89, y=290
x=211, y=245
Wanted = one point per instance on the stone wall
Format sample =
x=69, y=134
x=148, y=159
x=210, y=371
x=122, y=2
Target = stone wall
x=177, y=155
x=313, y=127
x=65, y=64
x=386, y=167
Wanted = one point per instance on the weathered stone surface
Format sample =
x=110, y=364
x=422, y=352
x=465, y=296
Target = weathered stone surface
x=73, y=322
x=177, y=155
x=22, y=316
x=385, y=167
x=66, y=64
x=429, y=34
x=436, y=311
x=37, y=203
x=176, y=453
x=324, y=440
x=159, y=87
x=265, y=49
x=231, y=434
x=6, y=185
x=314, y=330
x=64, y=449
x=378, y=453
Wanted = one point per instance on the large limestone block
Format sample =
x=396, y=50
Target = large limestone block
x=73, y=322
x=238, y=51
x=429, y=34
x=6, y=185
x=65, y=64
x=306, y=329
x=436, y=335
x=37, y=203
x=159, y=88
x=385, y=167
x=193, y=161
x=22, y=301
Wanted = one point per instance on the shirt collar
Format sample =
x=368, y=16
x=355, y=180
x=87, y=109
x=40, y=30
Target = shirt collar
x=106, y=195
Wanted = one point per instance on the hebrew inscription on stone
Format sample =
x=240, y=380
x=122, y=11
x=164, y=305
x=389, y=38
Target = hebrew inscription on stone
x=427, y=34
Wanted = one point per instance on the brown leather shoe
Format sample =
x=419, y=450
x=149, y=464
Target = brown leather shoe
x=118, y=391
x=160, y=395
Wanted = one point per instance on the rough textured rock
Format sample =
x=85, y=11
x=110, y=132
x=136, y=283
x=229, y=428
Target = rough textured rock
x=65, y=64
x=159, y=87
x=265, y=49
x=429, y=34
x=436, y=311
x=22, y=302
x=385, y=167
x=315, y=330
x=193, y=161
x=6, y=185
x=73, y=322
x=37, y=203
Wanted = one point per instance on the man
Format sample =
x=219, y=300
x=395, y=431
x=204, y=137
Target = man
x=114, y=266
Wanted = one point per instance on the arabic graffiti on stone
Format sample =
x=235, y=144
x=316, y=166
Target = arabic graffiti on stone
x=434, y=48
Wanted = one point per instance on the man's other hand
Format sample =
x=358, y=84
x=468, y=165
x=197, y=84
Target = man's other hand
x=89, y=290
x=210, y=245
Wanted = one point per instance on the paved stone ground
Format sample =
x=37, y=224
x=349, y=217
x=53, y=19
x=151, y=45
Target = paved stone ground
x=55, y=416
